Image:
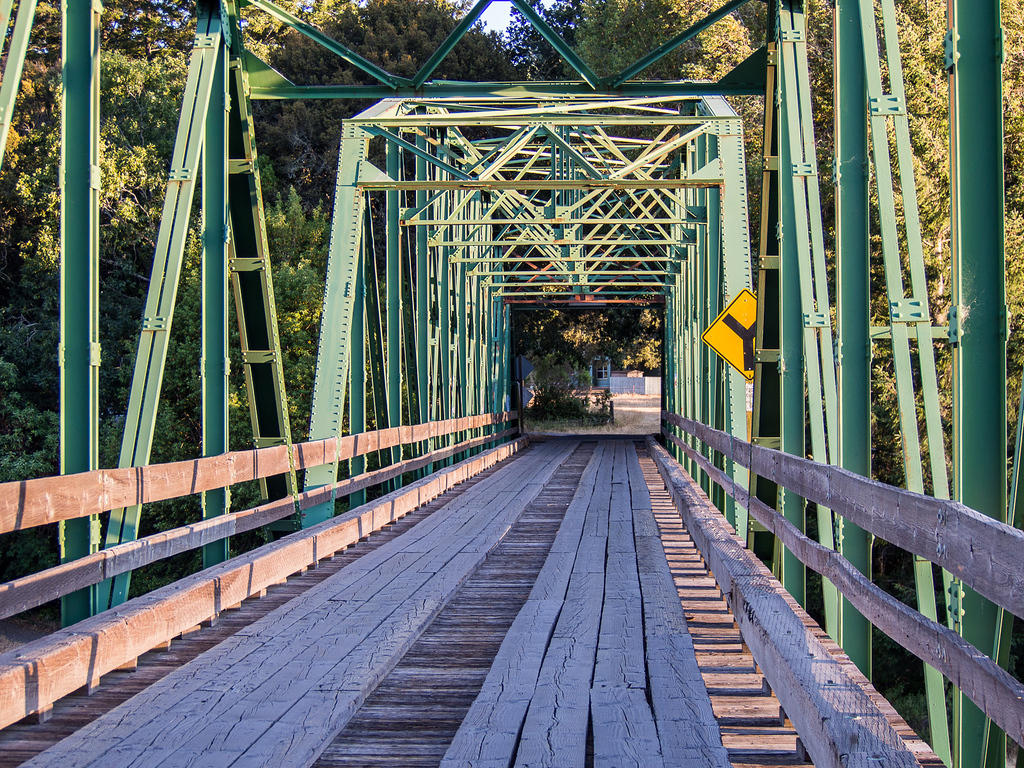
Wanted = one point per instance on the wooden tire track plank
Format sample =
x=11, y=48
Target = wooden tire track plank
x=554, y=732
x=410, y=719
x=41, y=672
x=577, y=668
x=299, y=664
x=687, y=728
x=488, y=735
x=838, y=722
x=624, y=730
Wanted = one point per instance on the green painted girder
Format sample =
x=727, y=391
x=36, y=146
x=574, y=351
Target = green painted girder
x=357, y=377
x=252, y=281
x=910, y=317
x=801, y=225
x=853, y=249
x=214, y=363
x=974, y=60
x=15, y=61
x=353, y=58
x=335, y=345
x=504, y=90
x=151, y=357
x=79, y=353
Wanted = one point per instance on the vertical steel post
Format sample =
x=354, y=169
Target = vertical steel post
x=422, y=328
x=334, y=359
x=853, y=249
x=79, y=352
x=791, y=358
x=214, y=363
x=357, y=376
x=394, y=300
x=974, y=55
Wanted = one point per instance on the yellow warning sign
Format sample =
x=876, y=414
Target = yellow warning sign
x=732, y=333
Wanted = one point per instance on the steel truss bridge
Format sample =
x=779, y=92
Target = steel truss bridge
x=386, y=625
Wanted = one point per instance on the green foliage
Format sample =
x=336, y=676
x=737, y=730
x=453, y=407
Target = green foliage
x=631, y=336
x=561, y=392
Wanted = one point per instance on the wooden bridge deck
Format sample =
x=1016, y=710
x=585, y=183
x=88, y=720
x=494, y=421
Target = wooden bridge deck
x=550, y=612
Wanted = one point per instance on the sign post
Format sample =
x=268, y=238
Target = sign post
x=521, y=369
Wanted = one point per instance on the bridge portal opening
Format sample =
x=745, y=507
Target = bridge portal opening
x=546, y=208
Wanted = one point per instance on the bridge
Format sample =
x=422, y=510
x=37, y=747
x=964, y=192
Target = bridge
x=441, y=587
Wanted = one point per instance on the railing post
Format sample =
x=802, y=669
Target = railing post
x=79, y=279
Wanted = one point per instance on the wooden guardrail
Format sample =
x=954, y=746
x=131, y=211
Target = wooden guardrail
x=37, y=674
x=911, y=521
x=29, y=503
x=38, y=588
x=795, y=660
x=979, y=550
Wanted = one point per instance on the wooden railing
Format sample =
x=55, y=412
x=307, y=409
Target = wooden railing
x=983, y=552
x=37, y=674
x=30, y=503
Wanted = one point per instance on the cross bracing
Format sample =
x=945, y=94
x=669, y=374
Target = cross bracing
x=603, y=189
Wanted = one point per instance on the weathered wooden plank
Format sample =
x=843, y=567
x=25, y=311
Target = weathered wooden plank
x=489, y=732
x=987, y=684
x=279, y=690
x=620, y=651
x=624, y=732
x=555, y=728
x=832, y=714
x=683, y=715
x=39, y=673
x=981, y=551
x=29, y=503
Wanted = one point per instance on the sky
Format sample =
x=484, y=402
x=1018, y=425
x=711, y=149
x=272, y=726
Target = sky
x=496, y=17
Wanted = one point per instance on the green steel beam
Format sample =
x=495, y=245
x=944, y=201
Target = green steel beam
x=14, y=64
x=509, y=90
x=979, y=352
x=252, y=282
x=793, y=418
x=79, y=353
x=737, y=276
x=802, y=226
x=909, y=319
x=417, y=149
x=214, y=323
x=353, y=58
x=393, y=302
x=151, y=357
x=5, y=18
x=423, y=293
x=357, y=379
x=333, y=360
x=853, y=249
